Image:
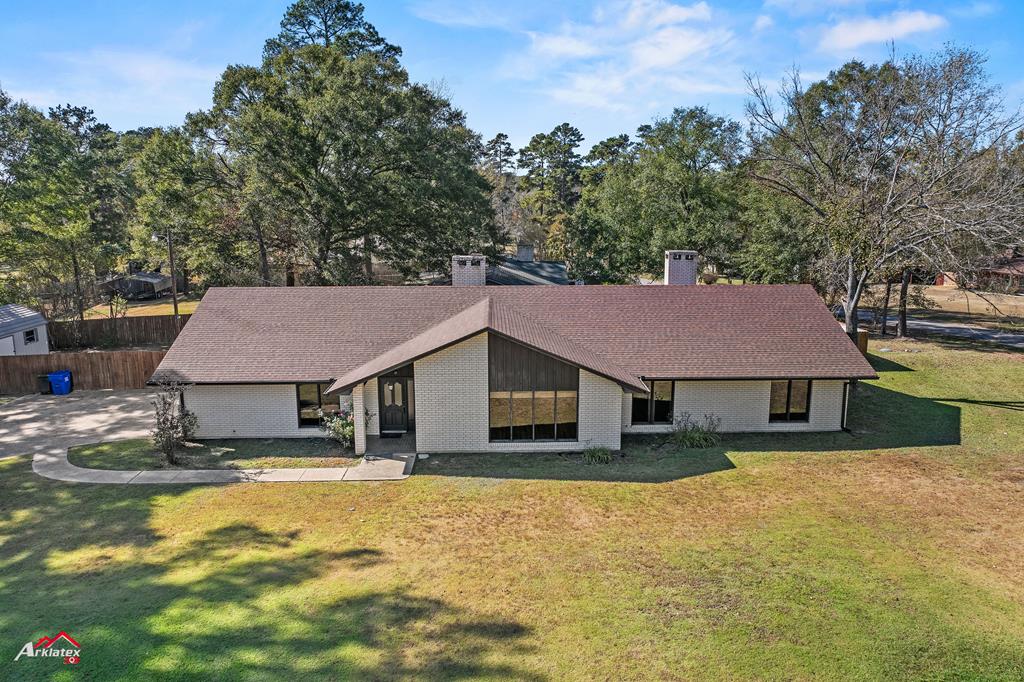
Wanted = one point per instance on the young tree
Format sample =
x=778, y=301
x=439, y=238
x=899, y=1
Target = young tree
x=174, y=425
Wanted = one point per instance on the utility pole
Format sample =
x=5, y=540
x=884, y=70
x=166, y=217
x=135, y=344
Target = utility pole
x=174, y=278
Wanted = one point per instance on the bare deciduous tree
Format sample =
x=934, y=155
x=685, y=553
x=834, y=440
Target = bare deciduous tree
x=907, y=164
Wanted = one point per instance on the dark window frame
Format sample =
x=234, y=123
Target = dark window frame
x=649, y=398
x=787, y=416
x=33, y=332
x=320, y=388
x=533, y=417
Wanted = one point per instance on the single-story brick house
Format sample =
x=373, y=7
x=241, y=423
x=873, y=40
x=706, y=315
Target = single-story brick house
x=471, y=368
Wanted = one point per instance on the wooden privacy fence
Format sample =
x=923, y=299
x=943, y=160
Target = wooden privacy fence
x=108, y=333
x=103, y=369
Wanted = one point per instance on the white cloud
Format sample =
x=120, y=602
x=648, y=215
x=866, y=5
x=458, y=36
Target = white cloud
x=763, y=23
x=126, y=88
x=655, y=13
x=856, y=32
x=812, y=6
x=625, y=52
x=672, y=45
x=558, y=45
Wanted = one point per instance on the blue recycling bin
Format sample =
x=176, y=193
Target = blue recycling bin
x=60, y=382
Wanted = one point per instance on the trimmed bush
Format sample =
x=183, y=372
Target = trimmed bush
x=691, y=433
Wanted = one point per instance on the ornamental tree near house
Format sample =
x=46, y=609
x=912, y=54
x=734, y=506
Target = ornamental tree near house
x=174, y=424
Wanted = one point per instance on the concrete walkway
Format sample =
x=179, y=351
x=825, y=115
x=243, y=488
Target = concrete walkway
x=55, y=465
x=45, y=426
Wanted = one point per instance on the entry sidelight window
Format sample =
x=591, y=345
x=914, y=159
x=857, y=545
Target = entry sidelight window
x=312, y=401
x=790, y=401
x=532, y=395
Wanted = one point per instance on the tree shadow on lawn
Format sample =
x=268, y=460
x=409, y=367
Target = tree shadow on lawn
x=85, y=559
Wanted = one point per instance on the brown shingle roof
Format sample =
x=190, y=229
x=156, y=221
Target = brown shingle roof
x=263, y=335
x=488, y=315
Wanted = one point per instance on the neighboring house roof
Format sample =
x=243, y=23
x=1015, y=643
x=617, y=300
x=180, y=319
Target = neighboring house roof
x=16, y=318
x=323, y=334
x=509, y=271
x=151, y=277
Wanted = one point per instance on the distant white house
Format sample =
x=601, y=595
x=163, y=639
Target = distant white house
x=22, y=331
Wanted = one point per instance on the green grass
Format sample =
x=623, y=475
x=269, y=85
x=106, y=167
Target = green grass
x=158, y=306
x=890, y=553
x=271, y=453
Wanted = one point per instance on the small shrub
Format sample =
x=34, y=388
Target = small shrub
x=340, y=428
x=691, y=433
x=597, y=455
x=174, y=424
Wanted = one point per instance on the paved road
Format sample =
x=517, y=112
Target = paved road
x=959, y=330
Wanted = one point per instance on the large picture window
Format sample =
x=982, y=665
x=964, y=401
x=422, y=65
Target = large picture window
x=656, y=406
x=532, y=396
x=790, y=401
x=312, y=402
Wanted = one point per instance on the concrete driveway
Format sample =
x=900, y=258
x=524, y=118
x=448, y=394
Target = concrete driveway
x=53, y=423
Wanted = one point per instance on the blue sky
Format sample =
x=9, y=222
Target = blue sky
x=517, y=67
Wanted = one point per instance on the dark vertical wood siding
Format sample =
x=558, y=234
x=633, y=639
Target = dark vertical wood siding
x=514, y=367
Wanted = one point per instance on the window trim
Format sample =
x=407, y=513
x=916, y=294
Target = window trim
x=788, y=417
x=650, y=405
x=33, y=332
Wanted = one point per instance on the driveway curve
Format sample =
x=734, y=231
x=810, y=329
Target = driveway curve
x=45, y=426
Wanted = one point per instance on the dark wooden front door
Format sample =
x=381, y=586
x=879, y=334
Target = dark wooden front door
x=394, y=405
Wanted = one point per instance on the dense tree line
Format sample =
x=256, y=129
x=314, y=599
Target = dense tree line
x=325, y=164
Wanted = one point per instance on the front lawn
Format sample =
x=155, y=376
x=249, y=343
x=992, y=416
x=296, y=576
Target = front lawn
x=264, y=453
x=890, y=553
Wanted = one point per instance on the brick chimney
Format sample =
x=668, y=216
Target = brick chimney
x=681, y=267
x=525, y=253
x=469, y=271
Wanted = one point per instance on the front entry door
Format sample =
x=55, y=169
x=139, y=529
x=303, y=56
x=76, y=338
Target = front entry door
x=394, y=405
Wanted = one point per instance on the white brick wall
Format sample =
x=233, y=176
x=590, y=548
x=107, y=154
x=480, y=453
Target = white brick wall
x=743, y=406
x=679, y=270
x=358, y=419
x=465, y=274
x=371, y=405
x=248, y=411
x=452, y=404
